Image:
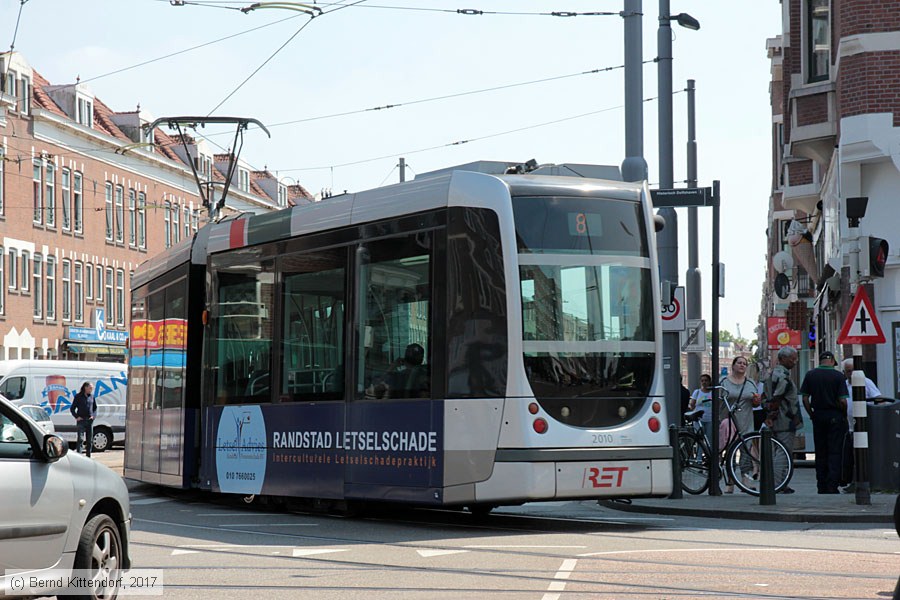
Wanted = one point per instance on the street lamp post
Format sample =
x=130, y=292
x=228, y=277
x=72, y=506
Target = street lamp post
x=634, y=167
x=667, y=239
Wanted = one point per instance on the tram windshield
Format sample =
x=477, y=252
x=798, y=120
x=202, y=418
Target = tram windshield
x=587, y=306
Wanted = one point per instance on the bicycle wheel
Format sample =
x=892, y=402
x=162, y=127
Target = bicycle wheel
x=743, y=463
x=694, y=455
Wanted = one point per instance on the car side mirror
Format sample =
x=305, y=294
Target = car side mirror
x=54, y=447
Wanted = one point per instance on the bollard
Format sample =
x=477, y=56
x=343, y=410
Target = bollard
x=766, y=476
x=677, y=492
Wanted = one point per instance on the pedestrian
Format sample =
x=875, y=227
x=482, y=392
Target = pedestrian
x=698, y=397
x=685, y=400
x=824, y=392
x=84, y=409
x=872, y=390
x=782, y=408
x=742, y=395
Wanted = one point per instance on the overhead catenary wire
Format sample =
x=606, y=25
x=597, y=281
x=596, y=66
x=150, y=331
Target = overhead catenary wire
x=280, y=48
x=457, y=11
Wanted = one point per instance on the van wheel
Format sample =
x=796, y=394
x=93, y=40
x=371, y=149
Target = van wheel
x=100, y=554
x=102, y=440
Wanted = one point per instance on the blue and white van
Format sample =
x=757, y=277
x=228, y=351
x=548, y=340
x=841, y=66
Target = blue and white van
x=52, y=384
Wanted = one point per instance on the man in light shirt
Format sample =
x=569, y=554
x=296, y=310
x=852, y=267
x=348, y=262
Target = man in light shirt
x=872, y=390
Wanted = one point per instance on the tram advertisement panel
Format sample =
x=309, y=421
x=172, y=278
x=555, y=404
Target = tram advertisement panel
x=305, y=450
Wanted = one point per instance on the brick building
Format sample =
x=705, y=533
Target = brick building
x=835, y=95
x=86, y=195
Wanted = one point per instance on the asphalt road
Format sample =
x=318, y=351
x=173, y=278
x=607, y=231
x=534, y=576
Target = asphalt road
x=206, y=544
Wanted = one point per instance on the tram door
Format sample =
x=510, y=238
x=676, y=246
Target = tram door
x=394, y=448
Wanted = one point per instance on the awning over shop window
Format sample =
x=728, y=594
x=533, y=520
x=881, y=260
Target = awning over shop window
x=97, y=349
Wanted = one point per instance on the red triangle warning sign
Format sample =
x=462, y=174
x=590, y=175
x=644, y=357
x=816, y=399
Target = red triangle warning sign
x=861, y=325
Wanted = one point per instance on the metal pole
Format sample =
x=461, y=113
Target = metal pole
x=402, y=169
x=667, y=239
x=858, y=384
x=692, y=276
x=714, y=474
x=677, y=492
x=766, y=476
x=634, y=167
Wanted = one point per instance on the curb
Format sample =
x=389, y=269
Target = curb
x=790, y=517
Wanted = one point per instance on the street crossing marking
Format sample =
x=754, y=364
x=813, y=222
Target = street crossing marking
x=565, y=570
x=430, y=553
x=315, y=551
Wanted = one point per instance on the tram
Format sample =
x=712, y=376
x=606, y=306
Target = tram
x=467, y=339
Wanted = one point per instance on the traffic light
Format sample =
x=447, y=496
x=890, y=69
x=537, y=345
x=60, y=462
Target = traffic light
x=873, y=253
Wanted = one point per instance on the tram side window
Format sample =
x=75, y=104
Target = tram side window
x=173, y=342
x=242, y=333
x=313, y=322
x=395, y=319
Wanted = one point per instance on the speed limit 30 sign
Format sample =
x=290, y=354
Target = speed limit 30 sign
x=673, y=313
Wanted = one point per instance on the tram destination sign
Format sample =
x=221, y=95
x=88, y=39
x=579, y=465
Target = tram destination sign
x=681, y=197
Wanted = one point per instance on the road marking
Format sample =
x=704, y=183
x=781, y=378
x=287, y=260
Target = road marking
x=430, y=553
x=565, y=570
x=238, y=514
x=522, y=546
x=178, y=551
x=143, y=501
x=270, y=524
x=314, y=551
x=648, y=551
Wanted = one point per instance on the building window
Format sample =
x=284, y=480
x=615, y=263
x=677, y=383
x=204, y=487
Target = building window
x=818, y=39
x=67, y=290
x=2, y=160
x=13, y=269
x=196, y=220
x=66, y=200
x=109, y=292
x=109, y=211
x=243, y=180
x=50, y=194
x=51, y=288
x=176, y=230
x=26, y=269
x=89, y=281
x=24, y=95
x=37, y=185
x=167, y=216
x=142, y=220
x=186, y=221
x=2, y=287
x=38, y=292
x=77, y=205
x=132, y=218
x=85, y=112
x=120, y=213
x=79, y=292
x=120, y=297
x=99, y=283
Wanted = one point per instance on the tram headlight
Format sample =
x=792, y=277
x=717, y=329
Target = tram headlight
x=623, y=412
x=565, y=412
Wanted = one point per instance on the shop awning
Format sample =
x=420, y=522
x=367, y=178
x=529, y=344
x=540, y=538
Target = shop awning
x=97, y=349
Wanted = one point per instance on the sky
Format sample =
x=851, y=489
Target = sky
x=441, y=70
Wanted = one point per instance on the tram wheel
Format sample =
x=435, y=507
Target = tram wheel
x=481, y=510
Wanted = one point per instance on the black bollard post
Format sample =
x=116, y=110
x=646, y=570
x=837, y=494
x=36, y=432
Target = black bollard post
x=766, y=476
x=677, y=493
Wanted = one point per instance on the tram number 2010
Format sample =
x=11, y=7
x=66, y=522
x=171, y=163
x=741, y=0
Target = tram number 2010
x=601, y=438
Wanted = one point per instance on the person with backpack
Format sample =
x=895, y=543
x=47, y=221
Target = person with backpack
x=84, y=409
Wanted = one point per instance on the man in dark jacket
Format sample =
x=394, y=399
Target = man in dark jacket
x=828, y=410
x=84, y=409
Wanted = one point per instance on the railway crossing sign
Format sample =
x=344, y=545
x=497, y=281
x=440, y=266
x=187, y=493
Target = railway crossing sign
x=673, y=314
x=694, y=336
x=861, y=325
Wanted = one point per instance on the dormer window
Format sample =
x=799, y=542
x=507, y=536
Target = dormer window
x=244, y=180
x=282, y=195
x=84, y=112
x=9, y=84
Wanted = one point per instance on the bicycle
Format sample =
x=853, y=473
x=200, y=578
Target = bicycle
x=739, y=461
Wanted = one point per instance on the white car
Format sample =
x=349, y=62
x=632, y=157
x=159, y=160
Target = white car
x=39, y=415
x=61, y=512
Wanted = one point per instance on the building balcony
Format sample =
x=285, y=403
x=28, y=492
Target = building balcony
x=813, y=122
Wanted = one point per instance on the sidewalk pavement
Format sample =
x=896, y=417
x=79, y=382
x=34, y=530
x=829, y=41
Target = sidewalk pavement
x=803, y=506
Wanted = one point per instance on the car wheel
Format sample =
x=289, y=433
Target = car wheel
x=102, y=440
x=99, y=555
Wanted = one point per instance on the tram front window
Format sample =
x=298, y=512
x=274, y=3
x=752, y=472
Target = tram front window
x=588, y=324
